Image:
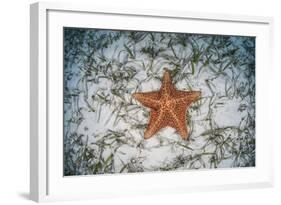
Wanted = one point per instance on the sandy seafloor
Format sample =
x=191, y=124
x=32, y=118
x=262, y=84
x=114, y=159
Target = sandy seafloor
x=104, y=126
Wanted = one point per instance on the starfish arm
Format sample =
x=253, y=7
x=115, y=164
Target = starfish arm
x=186, y=97
x=166, y=80
x=155, y=123
x=183, y=100
x=179, y=121
x=167, y=85
x=149, y=99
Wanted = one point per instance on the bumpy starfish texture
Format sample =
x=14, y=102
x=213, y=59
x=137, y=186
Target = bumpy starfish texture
x=168, y=107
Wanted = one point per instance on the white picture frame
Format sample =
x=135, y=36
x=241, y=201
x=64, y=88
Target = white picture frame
x=46, y=177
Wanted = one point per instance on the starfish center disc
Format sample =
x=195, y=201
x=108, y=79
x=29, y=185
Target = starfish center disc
x=168, y=104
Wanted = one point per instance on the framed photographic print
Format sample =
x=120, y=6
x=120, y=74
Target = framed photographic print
x=127, y=102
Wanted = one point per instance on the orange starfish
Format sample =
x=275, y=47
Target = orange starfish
x=168, y=107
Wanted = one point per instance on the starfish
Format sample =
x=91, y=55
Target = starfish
x=168, y=107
